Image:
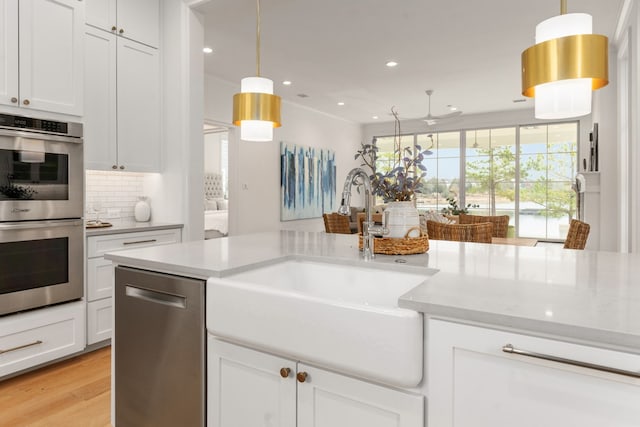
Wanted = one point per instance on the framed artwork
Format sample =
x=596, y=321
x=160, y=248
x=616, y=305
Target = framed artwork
x=307, y=181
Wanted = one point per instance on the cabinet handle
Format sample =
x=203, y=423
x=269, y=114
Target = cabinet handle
x=301, y=376
x=114, y=167
x=14, y=99
x=137, y=242
x=121, y=167
x=20, y=347
x=284, y=372
x=508, y=348
x=26, y=102
x=121, y=31
x=114, y=28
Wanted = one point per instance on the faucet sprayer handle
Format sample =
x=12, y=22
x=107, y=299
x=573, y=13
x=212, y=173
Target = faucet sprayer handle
x=344, y=209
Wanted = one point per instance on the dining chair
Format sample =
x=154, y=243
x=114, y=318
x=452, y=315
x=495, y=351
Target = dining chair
x=500, y=222
x=336, y=223
x=478, y=233
x=577, y=235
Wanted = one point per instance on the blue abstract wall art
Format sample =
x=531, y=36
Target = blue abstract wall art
x=307, y=182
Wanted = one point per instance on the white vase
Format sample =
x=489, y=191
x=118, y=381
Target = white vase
x=399, y=218
x=142, y=210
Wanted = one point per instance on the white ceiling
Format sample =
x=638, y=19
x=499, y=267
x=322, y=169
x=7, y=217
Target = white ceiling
x=468, y=51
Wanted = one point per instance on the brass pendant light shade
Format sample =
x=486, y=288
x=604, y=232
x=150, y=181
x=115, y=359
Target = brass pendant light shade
x=572, y=57
x=256, y=106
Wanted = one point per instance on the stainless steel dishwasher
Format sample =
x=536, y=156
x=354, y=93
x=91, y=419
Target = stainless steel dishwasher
x=159, y=350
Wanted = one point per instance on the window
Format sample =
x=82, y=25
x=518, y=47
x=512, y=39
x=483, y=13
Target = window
x=525, y=172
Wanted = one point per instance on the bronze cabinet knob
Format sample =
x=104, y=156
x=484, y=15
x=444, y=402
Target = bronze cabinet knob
x=284, y=372
x=301, y=376
x=14, y=99
x=121, y=31
x=114, y=167
x=26, y=102
x=121, y=167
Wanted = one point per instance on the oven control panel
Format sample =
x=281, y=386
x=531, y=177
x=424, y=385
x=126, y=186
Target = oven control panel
x=9, y=121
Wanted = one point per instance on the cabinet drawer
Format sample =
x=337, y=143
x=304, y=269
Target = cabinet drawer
x=29, y=339
x=99, y=245
x=99, y=320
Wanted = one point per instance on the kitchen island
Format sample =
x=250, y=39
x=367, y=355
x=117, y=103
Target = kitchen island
x=578, y=306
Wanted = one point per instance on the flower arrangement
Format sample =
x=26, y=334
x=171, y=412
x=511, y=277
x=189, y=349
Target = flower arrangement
x=402, y=180
x=13, y=191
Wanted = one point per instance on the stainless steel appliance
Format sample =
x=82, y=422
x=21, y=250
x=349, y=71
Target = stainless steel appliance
x=41, y=169
x=159, y=350
x=41, y=207
x=41, y=263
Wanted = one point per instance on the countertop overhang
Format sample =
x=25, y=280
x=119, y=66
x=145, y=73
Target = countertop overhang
x=580, y=295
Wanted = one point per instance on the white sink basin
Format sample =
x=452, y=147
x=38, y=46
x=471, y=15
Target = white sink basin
x=338, y=316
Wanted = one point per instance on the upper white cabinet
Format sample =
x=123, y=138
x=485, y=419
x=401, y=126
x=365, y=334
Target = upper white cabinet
x=473, y=382
x=41, y=55
x=134, y=19
x=122, y=105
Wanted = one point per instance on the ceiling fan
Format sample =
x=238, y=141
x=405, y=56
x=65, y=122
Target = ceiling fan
x=431, y=119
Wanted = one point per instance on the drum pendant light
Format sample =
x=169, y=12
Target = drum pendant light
x=256, y=109
x=565, y=65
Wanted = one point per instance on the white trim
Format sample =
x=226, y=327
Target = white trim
x=624, y=154
x=623, y=19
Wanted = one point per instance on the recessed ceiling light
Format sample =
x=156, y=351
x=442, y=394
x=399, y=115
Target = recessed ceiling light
x=391, y=64
x=341, y=103
x=520, y=100
x=207, y=49
x=303, y=95
x=452, y=108
x=375, y=117
x=286, y=83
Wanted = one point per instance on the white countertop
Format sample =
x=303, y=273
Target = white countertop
x=130, y=226
x=582, y=295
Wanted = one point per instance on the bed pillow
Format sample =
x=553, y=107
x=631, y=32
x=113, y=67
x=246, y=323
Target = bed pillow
x=210, y=205
x=223, y=204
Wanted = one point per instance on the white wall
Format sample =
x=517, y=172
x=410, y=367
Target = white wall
x=254, y=181
x=212, y=158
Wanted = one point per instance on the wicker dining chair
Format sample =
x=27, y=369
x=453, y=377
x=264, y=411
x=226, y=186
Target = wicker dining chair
x=500, y=222
x=478, y=233
x=376, y=217
x=336, y=223
x=577, y=235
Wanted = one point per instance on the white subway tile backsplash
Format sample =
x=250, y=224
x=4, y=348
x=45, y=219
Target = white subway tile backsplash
x=112, y=190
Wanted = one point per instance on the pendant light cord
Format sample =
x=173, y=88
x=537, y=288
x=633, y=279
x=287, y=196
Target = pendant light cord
x=563, y=7
x=258, y=38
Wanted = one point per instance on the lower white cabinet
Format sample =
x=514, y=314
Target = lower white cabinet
x=250, y=388
x=34, y=337
x=474, y=382
x=100, y=276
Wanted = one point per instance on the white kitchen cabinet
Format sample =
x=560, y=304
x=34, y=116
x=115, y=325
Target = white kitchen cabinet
x=34, y=337
x=248, y=387
x=42, y=55
x=122, y=120
x=100, y=274
x=137, y=20
x=473, y=382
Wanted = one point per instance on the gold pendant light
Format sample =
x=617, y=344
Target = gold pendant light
x=565, y=65
x=256, y=109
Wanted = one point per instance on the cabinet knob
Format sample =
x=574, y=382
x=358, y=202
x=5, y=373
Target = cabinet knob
x=113, y=28
x=121, y=167
x=26, y=102
x=114, y=167
x=284, y=372
x=121, y=31
x=301, y=376
x=14, y=99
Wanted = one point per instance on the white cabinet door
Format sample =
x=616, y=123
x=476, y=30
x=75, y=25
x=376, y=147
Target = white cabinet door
x=138, y=107
x=9, y=91
x=51, y=55
x=326, y=399
x=100, y=278
x=246, y=388
x=102, y=14
x=100, y=139
x=474, y=383
x=99, y=320
x=140, y=21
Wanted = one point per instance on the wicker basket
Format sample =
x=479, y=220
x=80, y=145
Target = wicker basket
x=403, y=246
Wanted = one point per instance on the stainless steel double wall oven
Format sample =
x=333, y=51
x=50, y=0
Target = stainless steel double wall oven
x=41, y=209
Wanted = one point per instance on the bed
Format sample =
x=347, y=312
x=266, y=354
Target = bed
x=216, y=207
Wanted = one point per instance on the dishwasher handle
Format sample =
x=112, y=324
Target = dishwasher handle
x=156, y=297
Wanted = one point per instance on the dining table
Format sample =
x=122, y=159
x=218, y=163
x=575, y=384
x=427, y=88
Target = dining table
x=516, y=241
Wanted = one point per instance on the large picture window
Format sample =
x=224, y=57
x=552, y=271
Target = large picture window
x=525, y=172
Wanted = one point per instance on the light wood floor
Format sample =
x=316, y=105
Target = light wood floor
x=72, y=393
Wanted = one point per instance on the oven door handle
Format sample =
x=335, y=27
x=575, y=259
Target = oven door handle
x=26, y=225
